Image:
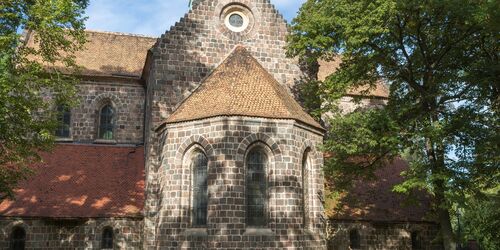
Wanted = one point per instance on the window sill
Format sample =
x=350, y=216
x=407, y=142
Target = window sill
x=102, y=141
x=258, y=232
x=196, y=232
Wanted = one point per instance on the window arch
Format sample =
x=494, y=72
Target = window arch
x=63, y=121
x=107, y=238
x=256, y=187
x=416, y=243
x=306, y=177
x=106, y=122
x=18, y=239
x=354, y=239
x=199, y=168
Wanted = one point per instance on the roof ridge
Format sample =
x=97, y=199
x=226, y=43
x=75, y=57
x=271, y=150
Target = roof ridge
x=120, y=33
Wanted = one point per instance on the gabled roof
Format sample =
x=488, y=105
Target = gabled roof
x=82, y=181
x=240, y=86
x=109, y=53
x=375, y=201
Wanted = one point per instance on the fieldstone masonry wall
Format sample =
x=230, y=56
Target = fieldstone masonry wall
x=186, y=54
x=72, y=234
x=225, y=142
x=126, y=98
x=382, y=236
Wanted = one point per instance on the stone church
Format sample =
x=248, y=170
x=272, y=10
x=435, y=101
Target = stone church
x=195, y=140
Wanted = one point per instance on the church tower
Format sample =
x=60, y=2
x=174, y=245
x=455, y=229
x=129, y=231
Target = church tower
x=232, y=160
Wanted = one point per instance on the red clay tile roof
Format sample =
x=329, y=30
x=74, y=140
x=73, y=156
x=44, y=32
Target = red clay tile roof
x=110, y=54
x=82, y=181
x=240, y=86
x=327, y=68
x=374, y=200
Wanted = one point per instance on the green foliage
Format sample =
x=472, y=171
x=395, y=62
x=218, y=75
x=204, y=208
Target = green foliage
x=29, y=73
x=480, y=221
x=440, y=59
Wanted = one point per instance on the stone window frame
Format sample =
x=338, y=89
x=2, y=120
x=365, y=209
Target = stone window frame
x=224, y=9
x=354, y=235
x=259, y=145
x=97, y=104
x=104, y=230
x=187, y=161
x=113, y=122
x=307, y=201
x=416, y=241
x=103, y=103
x=11, y=235
x=64, y=107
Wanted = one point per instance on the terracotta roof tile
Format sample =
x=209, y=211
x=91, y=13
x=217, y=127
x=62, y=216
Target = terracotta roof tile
x=375, y=201
x=240, y=86
x=82, y=181
x=327, y=68
x=108, y=53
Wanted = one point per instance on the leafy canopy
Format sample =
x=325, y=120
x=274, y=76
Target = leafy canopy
x=440, y=61
x=29, y=73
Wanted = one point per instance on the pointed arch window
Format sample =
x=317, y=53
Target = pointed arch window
x=306, y=166
x=63, y=121
x=18, y=239
x=354, y=239
x=106, y=122
x=199, y=166
x=256, y=188
x=107, y=238
x=416, y=243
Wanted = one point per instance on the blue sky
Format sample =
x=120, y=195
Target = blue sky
x=153, y=17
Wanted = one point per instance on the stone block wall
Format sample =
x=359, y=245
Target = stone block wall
x=383, y=235
x=194, y=46
x=225, y=142
x=127, y=98
x=72, y=234
x=189, y=51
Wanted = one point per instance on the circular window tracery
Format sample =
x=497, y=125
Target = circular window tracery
x=237, y=18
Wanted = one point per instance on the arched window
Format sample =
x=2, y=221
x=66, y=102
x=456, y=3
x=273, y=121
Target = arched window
x=107, y=238
x=256, y=188
x=199, y=165
x=106, y=122
x=416, y=243
x=63, y=121
x=354, y=239
x=306, y=166
x=18, y=239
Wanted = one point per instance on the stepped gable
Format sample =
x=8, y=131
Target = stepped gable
x=82, y=181
x=240, y=86
x=109, y=54
x=327, y=68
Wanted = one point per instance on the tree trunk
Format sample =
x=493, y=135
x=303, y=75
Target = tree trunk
x=443, y=213
x=449, y=242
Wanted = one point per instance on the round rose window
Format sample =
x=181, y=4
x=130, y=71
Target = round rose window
x=236, y=21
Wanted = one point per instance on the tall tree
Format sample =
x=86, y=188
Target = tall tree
x=440, y=59
x=27, y=118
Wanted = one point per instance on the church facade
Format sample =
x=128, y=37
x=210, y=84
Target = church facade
x=193, y=140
